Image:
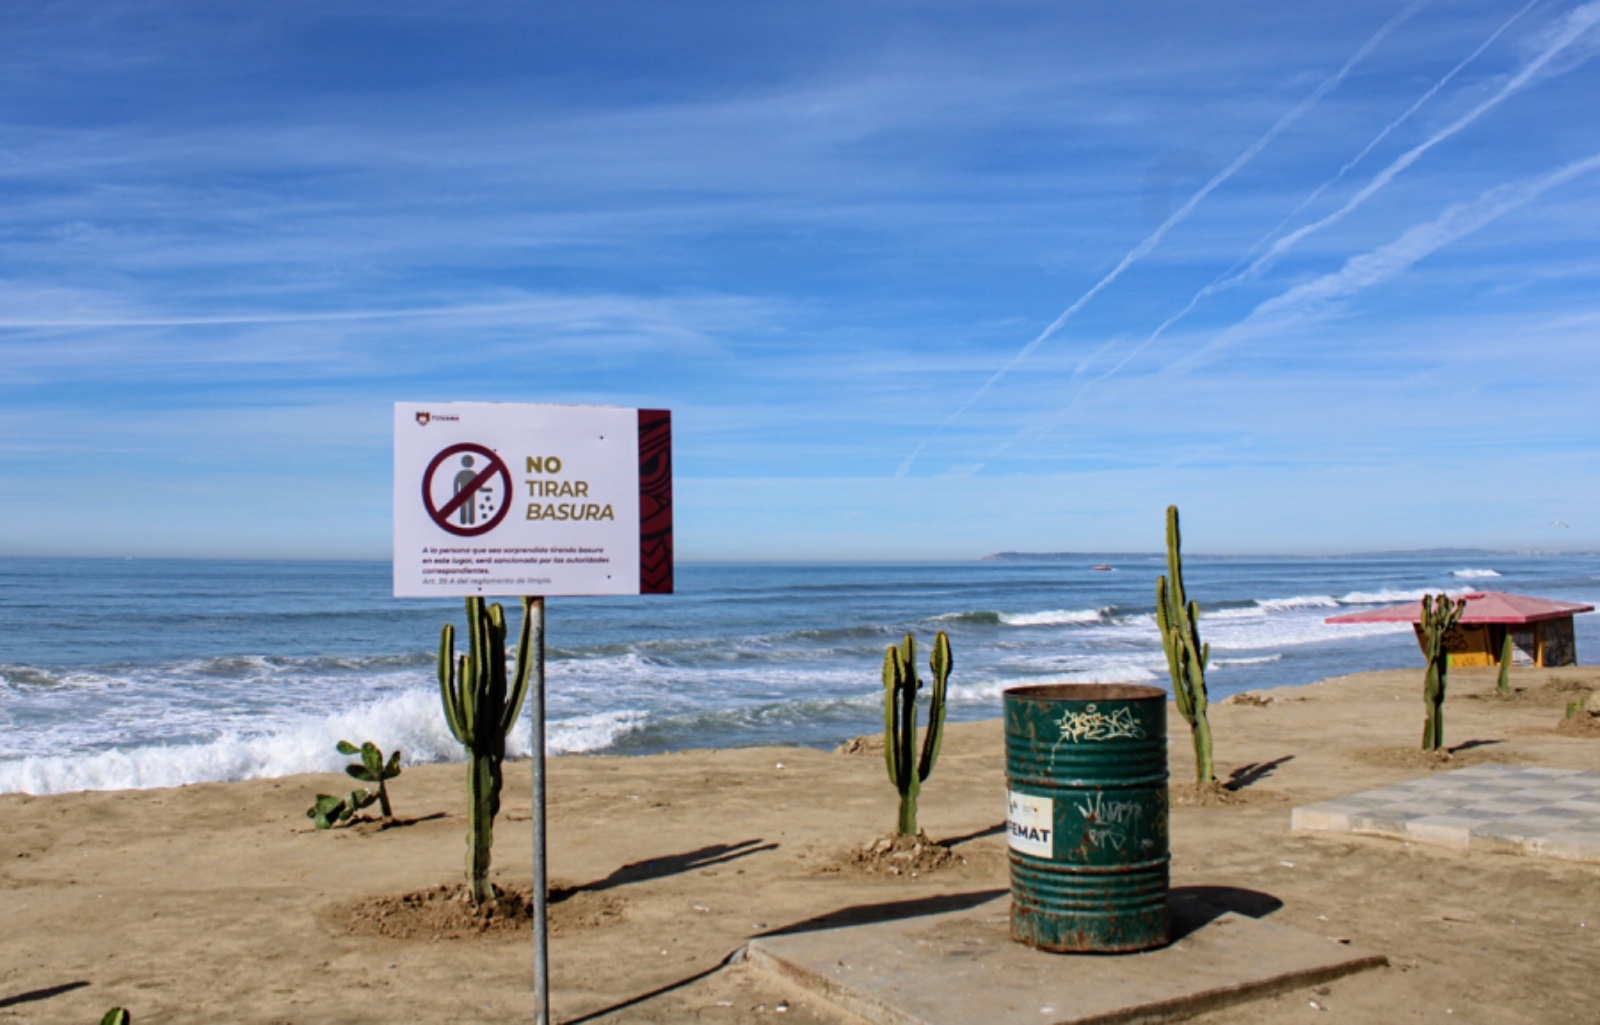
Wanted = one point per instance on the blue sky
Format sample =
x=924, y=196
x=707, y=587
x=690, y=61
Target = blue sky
x=917, y=280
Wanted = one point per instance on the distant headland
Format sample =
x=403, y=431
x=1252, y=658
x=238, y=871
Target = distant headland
x=1097, y=557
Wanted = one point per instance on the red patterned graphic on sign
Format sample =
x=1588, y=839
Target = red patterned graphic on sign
x=655, y=501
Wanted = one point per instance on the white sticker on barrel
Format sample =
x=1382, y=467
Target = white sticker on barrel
x=1030, y=821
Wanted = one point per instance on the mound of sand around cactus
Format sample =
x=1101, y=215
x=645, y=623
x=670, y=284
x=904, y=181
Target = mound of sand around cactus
x=1436, y=761
x=1217, y=794
x=908, y=856
x=1556, y=692
x=1580, y=725
x=445, y=912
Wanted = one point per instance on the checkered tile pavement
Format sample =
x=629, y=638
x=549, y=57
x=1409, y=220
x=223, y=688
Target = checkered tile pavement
x=1516, y=808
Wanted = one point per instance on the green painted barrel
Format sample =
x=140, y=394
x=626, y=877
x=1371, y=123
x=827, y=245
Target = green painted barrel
x=1086, y=770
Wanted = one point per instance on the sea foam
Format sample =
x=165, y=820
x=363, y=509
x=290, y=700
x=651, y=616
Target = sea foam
x=411, y=722
x=1305, y=601
x=1272, y=632
x=985, y=691
x=1390, y=596
x=1057, y=617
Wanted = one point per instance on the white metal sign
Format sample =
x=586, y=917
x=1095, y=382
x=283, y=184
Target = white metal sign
x=512, y=499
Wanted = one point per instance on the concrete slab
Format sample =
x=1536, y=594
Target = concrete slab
x=962, y=967
x=1508, y=808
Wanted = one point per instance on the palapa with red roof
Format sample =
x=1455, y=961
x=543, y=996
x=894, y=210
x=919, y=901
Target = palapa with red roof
x=1540, y=628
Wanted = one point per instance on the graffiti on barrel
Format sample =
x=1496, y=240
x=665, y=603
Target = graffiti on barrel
x=1106, y=823
x=1093, y=724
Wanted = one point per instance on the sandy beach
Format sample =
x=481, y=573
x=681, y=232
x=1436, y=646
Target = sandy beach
x=219, y=902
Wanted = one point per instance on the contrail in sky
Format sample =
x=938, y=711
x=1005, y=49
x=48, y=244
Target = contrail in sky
x=1424, y=98
x=1418, y=242
x=1579, y=22
x=1362, y=272
x=1178, y=216
x=1230, y=279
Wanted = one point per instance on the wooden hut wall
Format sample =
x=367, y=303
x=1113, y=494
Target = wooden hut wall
x=1525, y=645
x=1471, y=646
x=1557, y=644
x=1467, y=646
x=1550, y=643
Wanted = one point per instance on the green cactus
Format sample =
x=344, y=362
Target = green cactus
x=373, y=769
x=329, y=810
x=117, y=1016
x=481, y=710
x=1503, y=686
x=1178, y=619
x=1438, y=619
x=900, y=685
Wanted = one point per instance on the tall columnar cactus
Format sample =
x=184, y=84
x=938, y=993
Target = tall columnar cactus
x=1503, y=685
x=1178, y=619
x=900, y=685
x=481, y=710
x=1438, y=618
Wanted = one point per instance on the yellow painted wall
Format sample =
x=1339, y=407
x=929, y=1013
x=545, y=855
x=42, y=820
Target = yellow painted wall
x=1480, y=645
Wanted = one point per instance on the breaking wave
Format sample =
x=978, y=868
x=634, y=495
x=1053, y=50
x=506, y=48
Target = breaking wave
x=411, y=722
x=1059, y=617
x=1054, y=617
x=1389, y=596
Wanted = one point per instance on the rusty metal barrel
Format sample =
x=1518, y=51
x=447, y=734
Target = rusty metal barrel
x=1086, y=771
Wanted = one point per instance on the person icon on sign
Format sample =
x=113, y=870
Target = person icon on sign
x=464, y=479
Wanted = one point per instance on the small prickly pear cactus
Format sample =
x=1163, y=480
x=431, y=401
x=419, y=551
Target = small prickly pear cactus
x=907, y=771
x=1178, y=618
x=373, y=769
x=330, y=811
x=1438, y=619
x=481, y=709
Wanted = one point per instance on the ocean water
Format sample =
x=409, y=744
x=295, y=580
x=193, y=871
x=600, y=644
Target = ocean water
x=143, y=673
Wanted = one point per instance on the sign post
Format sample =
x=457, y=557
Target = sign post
x=499, y=499
x=541, y=886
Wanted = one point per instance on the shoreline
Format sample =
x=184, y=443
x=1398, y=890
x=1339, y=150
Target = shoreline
x=257, y=673
x=218, y=901
x=421, y=728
